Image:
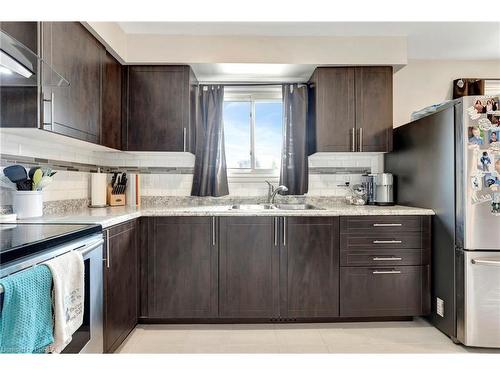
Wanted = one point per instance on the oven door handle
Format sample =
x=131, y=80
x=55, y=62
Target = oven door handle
x=84, y=250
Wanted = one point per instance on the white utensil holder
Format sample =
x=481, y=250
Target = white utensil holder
x=27, y=204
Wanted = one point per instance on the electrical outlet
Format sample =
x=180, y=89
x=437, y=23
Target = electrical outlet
x=440, y=307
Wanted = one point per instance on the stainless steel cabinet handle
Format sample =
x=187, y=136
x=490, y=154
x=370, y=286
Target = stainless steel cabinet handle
x=353, y=140
x=388, y=225
x=213, y=231
x=51, y=101
x=386, y=272
x=184, y=139
x=275, y=231
x=284, y=231
x=360, y=140
x=108, y=258
x=387, y=241
x=486, y=262
x=387, y=258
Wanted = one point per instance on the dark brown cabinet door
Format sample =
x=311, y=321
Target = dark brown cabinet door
x=111, y=122
x=182, y=268
x=19, y=105
x=74, y=53
x=309, y=272
x=158, y=108
x=24, y=32
x=331, y=110
x=384, y=291
x=374, y=108
x=249, y=267
x=121, y=284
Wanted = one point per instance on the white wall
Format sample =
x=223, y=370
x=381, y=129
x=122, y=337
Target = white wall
x=425, y=82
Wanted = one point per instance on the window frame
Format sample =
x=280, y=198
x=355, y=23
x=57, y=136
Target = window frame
x=271, y=95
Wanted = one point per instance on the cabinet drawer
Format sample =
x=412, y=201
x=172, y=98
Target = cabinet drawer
x=410, y=240
x=384, y=257
x=381, y=224
x=384, y=291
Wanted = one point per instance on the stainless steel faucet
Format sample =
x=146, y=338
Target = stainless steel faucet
x=272, y=191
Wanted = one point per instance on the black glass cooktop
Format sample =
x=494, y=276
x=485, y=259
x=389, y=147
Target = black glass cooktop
x=19, y=240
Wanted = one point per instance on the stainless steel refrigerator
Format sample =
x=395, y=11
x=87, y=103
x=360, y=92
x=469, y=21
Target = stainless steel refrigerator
x=449, y=161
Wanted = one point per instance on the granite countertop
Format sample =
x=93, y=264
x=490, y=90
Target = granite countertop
x=110, y=216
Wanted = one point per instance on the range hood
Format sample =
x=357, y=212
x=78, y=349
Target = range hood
x=19, y=66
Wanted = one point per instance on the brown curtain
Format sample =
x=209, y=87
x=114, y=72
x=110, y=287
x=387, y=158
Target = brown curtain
x=294, y=163
x=210, y=177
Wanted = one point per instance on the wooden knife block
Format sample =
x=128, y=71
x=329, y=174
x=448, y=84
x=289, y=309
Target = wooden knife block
x=115, y=199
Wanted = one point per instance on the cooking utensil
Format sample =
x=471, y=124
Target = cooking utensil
x=37, y=177
x=17, y=174
x=32, y=171
x=44, y=182
x=113, y=179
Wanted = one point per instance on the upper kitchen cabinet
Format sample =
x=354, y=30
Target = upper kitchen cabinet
x=350, y=110
x=160, y=110
x=111, y=120
x=331, y=110
x=374, y=108
x=73, y=52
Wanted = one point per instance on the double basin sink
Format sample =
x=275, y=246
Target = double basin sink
x=278, y=206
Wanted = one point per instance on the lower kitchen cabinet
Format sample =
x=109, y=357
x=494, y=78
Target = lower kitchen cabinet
x=309, y=272
x=385, y=266
x=384, y=291
x=249, y=267
x=182, y=265
x=120, y=285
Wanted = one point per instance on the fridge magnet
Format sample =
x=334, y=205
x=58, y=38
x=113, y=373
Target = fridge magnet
x=485, y=161
x=491, y=105
x=473, y=114
x=493, y=135
x=476, y=183
x=497, y=166
x=479, y=107
x=484, y=124
x=489, y=180
x=475, y=136
x=480, y=198
x=495, y=204
x=494, y=118
x=495, y=146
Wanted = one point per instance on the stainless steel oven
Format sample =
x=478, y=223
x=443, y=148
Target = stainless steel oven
x=89, y=337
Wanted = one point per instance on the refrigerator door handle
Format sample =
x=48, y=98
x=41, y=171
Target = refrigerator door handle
x=486, y=262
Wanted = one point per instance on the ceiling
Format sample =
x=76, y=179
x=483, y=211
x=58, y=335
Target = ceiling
x=426, y=40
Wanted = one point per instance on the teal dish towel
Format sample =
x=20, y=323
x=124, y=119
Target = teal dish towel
x=26, y=322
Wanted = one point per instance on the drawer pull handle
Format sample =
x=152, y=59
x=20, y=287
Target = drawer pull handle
x=387, y=258
x=388, y=225
x=392, y=272
x=387, y=241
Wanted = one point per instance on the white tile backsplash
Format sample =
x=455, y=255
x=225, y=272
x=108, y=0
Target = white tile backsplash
x=75, y=185
x=319, y=184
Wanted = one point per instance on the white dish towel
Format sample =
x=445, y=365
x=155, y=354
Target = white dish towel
x=67, y=297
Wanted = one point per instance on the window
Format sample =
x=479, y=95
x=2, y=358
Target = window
x=253, y=126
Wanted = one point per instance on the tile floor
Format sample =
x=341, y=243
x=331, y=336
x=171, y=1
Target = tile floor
x=415, y=336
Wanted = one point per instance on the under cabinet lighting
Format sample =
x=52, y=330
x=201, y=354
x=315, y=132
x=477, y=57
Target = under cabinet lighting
x=4, y=70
